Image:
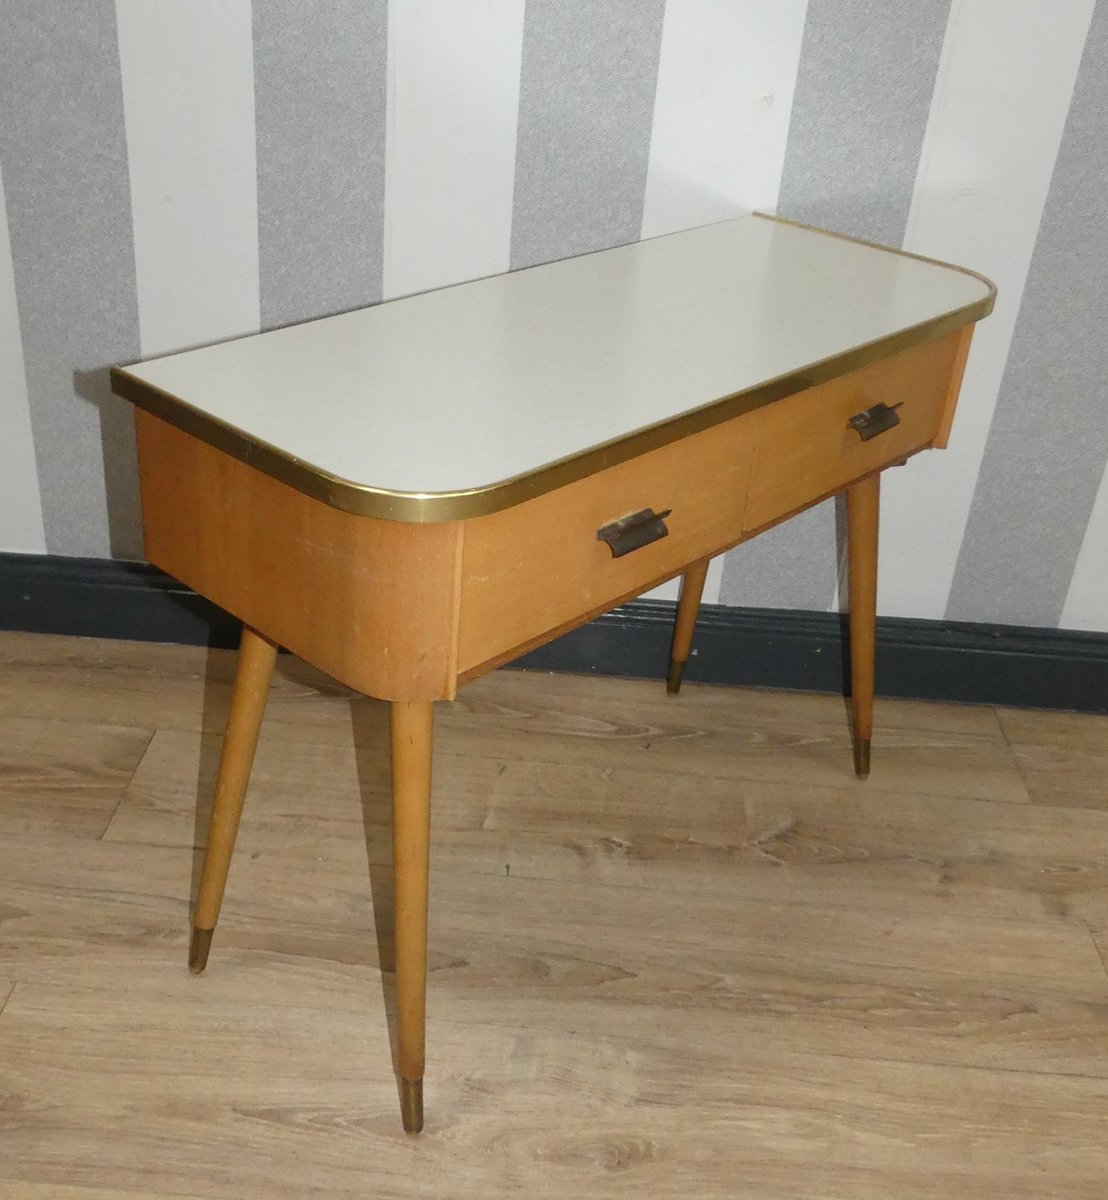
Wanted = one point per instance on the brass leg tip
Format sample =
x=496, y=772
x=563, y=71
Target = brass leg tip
x=673, y=678
x=861, y=757
x=411, y=1104
x=199, y=946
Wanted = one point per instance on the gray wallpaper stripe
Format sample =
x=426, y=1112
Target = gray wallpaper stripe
x=320, y=88
x=791, y=566
x=64, y=151
x=863, y=93
x=586, y=106
x=1048, y=445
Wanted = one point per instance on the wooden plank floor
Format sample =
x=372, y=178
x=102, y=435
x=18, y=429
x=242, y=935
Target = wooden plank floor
x=676, y=948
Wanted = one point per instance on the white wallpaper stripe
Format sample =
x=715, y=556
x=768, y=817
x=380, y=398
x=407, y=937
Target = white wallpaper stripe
x=983, y=178
x=721, y=111
x=20, y=506
x=721, y=120
x=451, y=141
x=188, y=100
x=586, y=103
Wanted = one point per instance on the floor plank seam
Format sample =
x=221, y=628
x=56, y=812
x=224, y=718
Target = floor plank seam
x=1097, y=946
x=127, y=786
x=817, y=902
x=78, y=1191
x=1000, y=728
x=6, y=997
x=615, y=1035
x=525, y=877
x=1015, y=756
x=939, y=1064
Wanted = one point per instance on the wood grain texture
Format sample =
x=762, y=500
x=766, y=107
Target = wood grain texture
x=1064, y=756
x=954, y=387
x=65, y=775
x=937, y=987
x=820, y=1121
x=25, y=1190
x=298, y=570
x=147, y=685
x=248, y=699
x=412, y=728
x=628, y=825
x=402, y=612
x=536, y=570
x=684, y=625
x=640, y=974
x=538, y=567
x=862, y=522
x=725, y=733
x=806, y=449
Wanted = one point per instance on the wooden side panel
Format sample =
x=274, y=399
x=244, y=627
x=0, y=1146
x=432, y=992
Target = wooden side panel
x=954, y=387
x=373, y=603
x=807, y=449
x=534, y=570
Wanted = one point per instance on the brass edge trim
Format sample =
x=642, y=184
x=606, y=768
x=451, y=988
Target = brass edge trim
x=431, y=507
x=674, y=676
x=411, y=1105
x=861, y=757
x=200, y=945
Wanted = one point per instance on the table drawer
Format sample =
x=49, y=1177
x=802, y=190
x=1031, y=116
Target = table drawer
x=533, y=570
x=808, y=448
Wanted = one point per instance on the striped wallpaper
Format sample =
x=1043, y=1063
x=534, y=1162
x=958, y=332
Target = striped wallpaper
x=174, y=172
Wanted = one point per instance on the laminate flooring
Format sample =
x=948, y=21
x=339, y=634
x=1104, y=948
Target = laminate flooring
x=676, y=948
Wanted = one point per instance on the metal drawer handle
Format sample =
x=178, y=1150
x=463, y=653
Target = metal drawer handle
x=634, y=532
x=875, y=420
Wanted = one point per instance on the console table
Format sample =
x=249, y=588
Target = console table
x=410, y=495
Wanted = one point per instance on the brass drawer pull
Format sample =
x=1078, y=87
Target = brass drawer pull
x=634, y=532
x=875, y=420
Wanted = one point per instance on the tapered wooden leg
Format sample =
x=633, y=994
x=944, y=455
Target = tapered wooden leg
x=692, y=588
x=411, y=829
x=861, y=530
x=248, y=697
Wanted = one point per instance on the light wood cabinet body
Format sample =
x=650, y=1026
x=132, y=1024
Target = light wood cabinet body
x=426, y=606
x=409, y=495
x=297, y=569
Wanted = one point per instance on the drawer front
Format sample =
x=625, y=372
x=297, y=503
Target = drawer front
x=807, y=447
x=539, y=567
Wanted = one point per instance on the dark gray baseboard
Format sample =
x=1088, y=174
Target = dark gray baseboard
x=781, y=648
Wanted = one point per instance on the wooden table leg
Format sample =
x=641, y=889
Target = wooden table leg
x=252, y=676
x=862, y=503
x=692, y=588
x=411, y=829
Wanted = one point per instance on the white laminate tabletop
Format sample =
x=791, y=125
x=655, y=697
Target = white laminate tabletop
x=460, y=389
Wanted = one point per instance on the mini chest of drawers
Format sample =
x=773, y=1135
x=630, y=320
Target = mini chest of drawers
x=410, y=495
